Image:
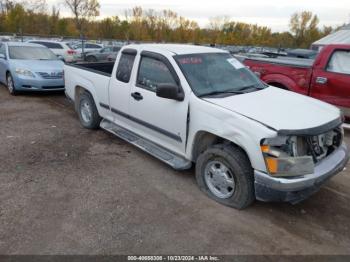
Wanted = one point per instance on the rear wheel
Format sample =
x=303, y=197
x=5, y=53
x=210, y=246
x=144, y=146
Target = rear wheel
x=91, y=59
x=10, y=84
x=224, y=173
x=87, y=111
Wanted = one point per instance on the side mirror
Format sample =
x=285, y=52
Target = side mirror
x=2, y=56
x=170, y=91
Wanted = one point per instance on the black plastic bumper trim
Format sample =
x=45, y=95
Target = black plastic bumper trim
x=313, y=131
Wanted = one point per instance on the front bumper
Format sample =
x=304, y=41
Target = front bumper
x=38, y=84
x=294, y=190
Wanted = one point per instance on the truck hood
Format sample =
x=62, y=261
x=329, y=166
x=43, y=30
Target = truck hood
x=280, y=109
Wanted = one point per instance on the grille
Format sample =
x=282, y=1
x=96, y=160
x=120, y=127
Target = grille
x=322, y=145
x=51, y=75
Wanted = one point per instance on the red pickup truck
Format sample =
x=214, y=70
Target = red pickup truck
x=326, y=78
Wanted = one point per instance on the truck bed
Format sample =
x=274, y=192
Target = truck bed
x=94, y=77
x=104, y=68
x=288, y=73
x=287, y=61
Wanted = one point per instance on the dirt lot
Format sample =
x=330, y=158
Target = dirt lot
x=68, y=190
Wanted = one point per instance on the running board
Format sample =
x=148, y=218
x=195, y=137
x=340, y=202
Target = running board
x=175, y=161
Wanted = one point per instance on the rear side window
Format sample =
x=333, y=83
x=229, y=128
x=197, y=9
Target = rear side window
x=92, y=46
x=49, y=45
x=153, y=72
x=2, y=49
x=340, y=62
x=124, y=69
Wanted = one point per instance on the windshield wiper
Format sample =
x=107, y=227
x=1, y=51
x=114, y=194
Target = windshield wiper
x=250, y=87
x=222, y=92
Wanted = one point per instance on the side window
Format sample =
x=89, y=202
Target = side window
x=116, y=49
x=3, y=49
x=124, y=69
x=92, y=46
x=340, y=62
x=48, y=44
x=106, y=50
x=153, y=72
x=54, y=46
x=39, y=43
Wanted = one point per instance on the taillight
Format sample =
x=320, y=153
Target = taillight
x=71, y=52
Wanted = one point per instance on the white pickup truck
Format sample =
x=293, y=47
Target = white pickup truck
x=188, y=104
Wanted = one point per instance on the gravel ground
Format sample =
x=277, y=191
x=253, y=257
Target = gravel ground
x=68, y=190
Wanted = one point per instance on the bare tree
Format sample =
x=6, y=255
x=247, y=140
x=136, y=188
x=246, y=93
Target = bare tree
x=83, y=10
x=6, y=5
x=36, y=6
x=304, y=26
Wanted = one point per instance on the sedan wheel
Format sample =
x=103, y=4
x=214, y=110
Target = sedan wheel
x=91, y=59
x=10, y=84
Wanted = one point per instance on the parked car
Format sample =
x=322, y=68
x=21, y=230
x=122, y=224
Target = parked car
x=103, y=54
x=88, y=47
x=60, y=49
x=30, y=67
x=326, y=78
x=190, y=104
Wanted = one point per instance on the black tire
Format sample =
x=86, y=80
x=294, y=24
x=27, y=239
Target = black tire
x=238, y=165
x=10, y=84
x=91, y=59
x=95, y=119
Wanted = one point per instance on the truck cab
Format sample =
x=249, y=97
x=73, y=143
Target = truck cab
x=331, y=77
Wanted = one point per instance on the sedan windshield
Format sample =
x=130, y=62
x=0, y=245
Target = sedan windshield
x=31, y=53
x=217, y=73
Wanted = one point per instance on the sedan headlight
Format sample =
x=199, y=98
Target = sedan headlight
x=24, y=72
x=287, y=156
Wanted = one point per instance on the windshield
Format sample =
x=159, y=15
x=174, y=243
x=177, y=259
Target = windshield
x=31, y=53
x=217, y=73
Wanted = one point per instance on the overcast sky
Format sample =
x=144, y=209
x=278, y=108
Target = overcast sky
x=272, y=13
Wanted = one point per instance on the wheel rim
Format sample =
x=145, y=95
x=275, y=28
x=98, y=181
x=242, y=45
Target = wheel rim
x=10, y=84
x=86, y=111
x=219, y=179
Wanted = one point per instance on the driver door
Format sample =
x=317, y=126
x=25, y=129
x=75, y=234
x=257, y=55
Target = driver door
x=331, y=84
x=161, y=120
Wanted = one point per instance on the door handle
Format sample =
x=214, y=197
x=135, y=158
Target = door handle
x=137, y=96
x=321, y=80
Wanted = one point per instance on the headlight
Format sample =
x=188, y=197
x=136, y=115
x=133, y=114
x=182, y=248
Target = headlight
x=287, y=156
x=24, y=72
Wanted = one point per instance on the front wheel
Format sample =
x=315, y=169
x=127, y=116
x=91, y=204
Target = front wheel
x=10, y=84
x=87, y=111
x=224, y=173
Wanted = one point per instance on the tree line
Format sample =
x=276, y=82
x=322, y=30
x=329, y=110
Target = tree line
x=138, y=24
